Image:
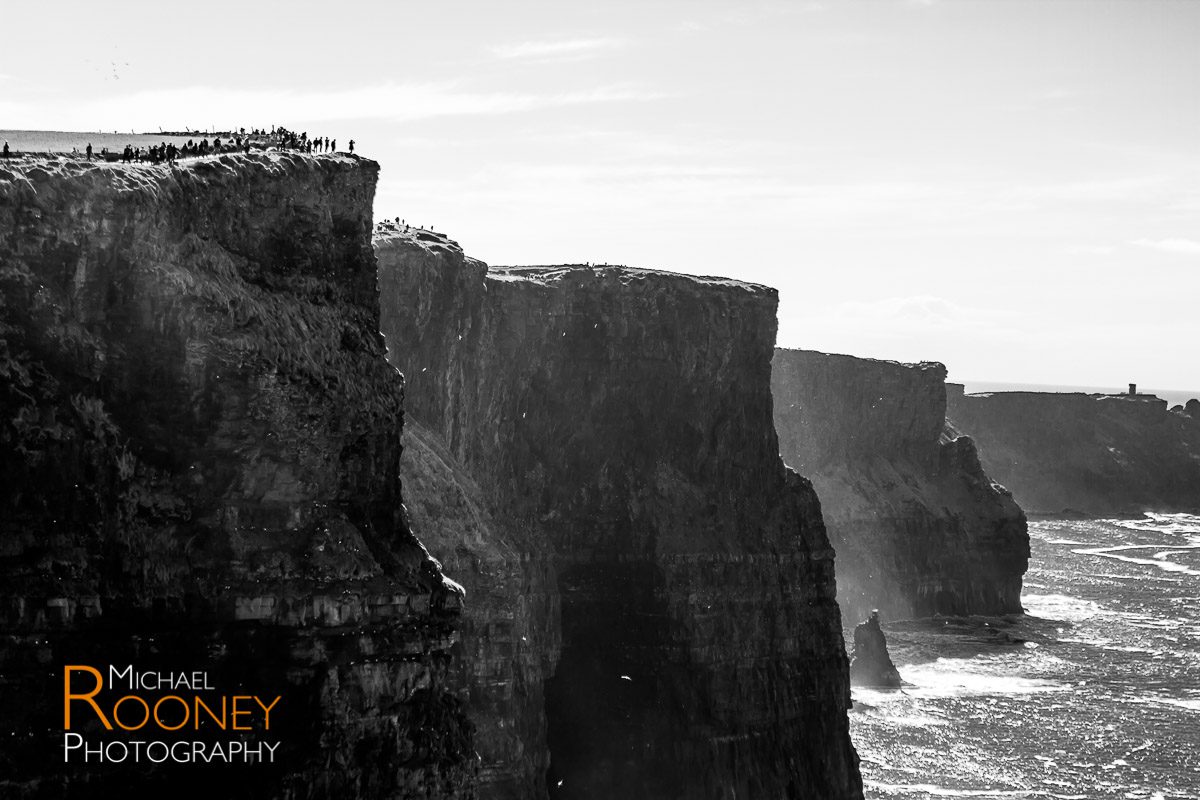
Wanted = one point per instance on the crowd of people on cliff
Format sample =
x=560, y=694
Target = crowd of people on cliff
x=402, y=226
x=280, y=138
x=290, y=140
x=168, y=152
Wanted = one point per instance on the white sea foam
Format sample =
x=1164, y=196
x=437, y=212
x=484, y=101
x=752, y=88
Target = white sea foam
x=964, y=677
x=1191, y=704
x=1120, y=553
x=877, y=697
x=1071, y=718
x=1060, y=607
x=933, y=790
x=1186, y=524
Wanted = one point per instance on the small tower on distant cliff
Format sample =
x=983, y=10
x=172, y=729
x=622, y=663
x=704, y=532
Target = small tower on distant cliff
x=1132, y=389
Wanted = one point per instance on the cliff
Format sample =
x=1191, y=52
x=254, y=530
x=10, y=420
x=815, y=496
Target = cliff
x=1097, y=454
x=509, y=634
x=617, y=423
x=918, y=526
x=199, y=452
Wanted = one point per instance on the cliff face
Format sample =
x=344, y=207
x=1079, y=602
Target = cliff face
x=919, y=528
x=199, y=451
x=509, y=633
x=1098, y=454
x=620, y=421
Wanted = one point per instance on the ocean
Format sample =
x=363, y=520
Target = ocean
x=1094, y=693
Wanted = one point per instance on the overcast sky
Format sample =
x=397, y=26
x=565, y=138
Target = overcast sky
x=1010, y=188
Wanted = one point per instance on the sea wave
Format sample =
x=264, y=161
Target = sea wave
x=1065, y=704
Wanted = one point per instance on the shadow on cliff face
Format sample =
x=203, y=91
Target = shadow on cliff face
x=605, y=689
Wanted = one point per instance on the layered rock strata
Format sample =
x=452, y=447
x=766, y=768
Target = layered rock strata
x=620, y=420
x=509, y=633
x=1095, y=454
x=918, y=526
x=199, y=453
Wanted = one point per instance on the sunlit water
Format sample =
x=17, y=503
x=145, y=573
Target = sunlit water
x=1094, y=694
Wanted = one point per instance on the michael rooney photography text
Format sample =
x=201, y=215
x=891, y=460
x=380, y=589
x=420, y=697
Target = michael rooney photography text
x=145, y=710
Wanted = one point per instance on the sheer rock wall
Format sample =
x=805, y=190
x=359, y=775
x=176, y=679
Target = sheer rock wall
x=199, y=454
x=1096, y=454
x=918, y=526
x=619, y=421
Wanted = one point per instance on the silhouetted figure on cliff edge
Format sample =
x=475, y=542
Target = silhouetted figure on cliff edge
x=6, y=153
x=351, y=145
x=89, y=151
x=871, y=665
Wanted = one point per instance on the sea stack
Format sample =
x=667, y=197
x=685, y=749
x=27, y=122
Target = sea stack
x=870, y=665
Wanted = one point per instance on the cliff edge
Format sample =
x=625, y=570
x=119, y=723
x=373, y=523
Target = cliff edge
x=1096, y=454
x=619, y=421
x=199, y=452
x=918, y=526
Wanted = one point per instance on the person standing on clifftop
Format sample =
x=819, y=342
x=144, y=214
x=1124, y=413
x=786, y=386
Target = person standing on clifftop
x=351, y=145
x=89, y=151
x=6, y=153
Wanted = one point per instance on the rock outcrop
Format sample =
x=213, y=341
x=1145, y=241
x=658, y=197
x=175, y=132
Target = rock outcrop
x=870, y=663
x=616, y=424
x=199, y=453
x=1090, y=453
x=918, y=526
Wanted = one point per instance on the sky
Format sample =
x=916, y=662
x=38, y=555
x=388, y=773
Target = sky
x=1011, y=188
